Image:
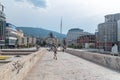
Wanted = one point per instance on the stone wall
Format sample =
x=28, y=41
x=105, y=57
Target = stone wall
x=19, y=68
x=109, y=61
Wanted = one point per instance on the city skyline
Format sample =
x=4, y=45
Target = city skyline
x=47, y=14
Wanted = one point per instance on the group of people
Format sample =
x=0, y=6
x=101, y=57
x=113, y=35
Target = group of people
x=54, y=48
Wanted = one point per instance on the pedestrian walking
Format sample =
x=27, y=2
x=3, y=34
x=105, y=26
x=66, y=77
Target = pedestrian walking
x=37, y=47
x=0, y=52
x=55, y=52
x=64, y=47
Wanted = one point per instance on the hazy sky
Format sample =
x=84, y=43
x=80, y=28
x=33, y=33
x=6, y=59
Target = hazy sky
x=84, y=14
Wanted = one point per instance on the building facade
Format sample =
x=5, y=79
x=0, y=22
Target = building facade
x=118, y=34
x=34, y=40
x=73, y=35
x=2, y=26
x=87, y=41
x=11, y=35
x=107, y=32
x=20, y=38
x=51, y=41
x=25, y=41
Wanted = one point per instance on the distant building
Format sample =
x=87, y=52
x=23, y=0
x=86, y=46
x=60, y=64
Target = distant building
x=20, y=38
x=31, y=41
x=51, y=41
x=34, y=40
x=107, y=31
x=118, y=34
x=16, y=38
x=25, y=42
x=87, y=41
x=112, y=17
x=11, y=35
x=73, y=34
x=2, y=26
x=40, y=41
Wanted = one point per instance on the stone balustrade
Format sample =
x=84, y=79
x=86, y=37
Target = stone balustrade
x=19, y=68
x=109, y=61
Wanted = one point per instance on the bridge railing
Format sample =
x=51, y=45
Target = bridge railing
x=19, y=68
x=109, y=61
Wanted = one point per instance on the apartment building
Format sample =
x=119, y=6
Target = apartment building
x=11, y=35
x=107, y=31
x=2, y=26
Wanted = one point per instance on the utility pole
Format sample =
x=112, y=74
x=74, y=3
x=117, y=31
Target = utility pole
x=105, y=39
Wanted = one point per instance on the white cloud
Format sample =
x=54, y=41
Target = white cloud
x=84, y=13
x=35, y=3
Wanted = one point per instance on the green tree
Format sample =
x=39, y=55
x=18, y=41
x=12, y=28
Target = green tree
x=51, y=35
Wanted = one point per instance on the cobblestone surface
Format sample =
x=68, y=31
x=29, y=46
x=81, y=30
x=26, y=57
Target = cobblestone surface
x=69, y=67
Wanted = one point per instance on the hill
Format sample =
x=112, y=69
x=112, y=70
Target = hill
x=39, y=32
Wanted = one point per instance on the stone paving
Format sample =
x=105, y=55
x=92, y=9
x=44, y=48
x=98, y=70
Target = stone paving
x=69, y=67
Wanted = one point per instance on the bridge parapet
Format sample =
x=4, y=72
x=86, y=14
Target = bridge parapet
x=19, y=68
x=109, y=61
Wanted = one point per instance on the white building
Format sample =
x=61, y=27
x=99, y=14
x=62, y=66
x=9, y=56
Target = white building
x=25, y=40
x=73, y=35
x=118, y=30
x=2, y=26
x=20, y=37
x=112, y=17
x=109, y=31
x=118, y=34
x=34, y=41
x=11, y=35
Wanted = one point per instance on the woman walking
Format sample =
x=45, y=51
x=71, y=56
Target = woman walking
x=55, y=52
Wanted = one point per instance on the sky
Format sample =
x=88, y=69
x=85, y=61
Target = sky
x=83, y=14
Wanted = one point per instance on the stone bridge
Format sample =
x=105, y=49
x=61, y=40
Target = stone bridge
x=40, y=65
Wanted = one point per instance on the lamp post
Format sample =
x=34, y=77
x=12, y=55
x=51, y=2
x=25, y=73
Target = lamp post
x=105, y=39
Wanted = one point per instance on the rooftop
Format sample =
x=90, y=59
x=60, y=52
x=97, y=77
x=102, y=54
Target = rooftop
x=76, y=29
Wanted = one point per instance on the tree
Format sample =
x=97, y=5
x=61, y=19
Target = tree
x=51, y=35
x=64, y=41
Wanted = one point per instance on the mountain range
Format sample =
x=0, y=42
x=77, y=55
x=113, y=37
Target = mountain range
x=40, y=32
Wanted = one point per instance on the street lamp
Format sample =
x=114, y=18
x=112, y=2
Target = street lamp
x=105, y=45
